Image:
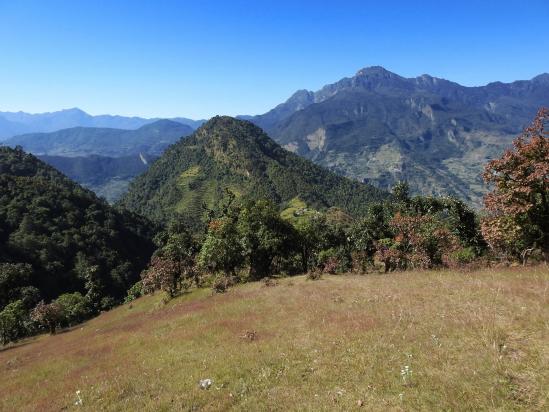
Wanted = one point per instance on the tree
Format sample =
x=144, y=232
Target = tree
x=221, y=250
x=13, y=278
x=518, y=205
x=75, y=308
x=401, y=193
x=365, y=234
x=13, y=322
x=419, y=242
x=182, y=248
x=263, y=235
x=48, y=316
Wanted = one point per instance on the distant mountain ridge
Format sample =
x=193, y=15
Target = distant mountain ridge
x=224, y=154
x=380, y=127
x=107, y=177
x=151, y=138
x=15, y=123
x=104, y=160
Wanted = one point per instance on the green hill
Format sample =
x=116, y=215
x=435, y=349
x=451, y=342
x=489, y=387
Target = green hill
x=235, y=155
x=72, y=240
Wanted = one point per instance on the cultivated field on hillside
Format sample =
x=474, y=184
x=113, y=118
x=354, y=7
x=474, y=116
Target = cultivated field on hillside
x=403, y=341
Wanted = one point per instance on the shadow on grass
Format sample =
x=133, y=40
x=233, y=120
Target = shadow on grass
x=16, y=345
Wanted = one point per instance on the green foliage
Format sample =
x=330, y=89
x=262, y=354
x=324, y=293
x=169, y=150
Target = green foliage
x=251, y=234
x=464, y=255
x=172, y=268
x=75, y=308
x=14, y=281
x=136, y=291
x=14, y=322
x=263, y=235
x=59, y=238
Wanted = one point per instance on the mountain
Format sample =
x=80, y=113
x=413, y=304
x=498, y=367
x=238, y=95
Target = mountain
x=72, y=240
x=379, y=127
x=108, y=177
x=151, y=138
x=235, y=155
x=14, y=123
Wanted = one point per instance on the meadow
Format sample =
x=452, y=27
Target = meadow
x=430, y=340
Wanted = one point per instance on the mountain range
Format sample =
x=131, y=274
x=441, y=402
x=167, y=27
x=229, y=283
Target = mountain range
x=15, y=123
x=226, y=154
x=104, y=160
x=380, y=127
x=375, y=127
x=152, y=139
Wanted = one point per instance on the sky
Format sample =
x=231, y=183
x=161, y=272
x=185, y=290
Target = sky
x=201, y=58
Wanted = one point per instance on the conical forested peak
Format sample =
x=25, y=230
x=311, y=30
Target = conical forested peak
x=228, y=154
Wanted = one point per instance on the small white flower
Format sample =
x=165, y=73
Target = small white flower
x=205, y=383
x=79, y=400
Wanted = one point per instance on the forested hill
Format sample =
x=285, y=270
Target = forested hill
x=57, y=237
x=224, y=154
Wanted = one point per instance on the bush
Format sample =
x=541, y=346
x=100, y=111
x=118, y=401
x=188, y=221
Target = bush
x=222, y=283
x=14, y=322
x=463, y=256
x=48, y=316
x=108, y=302
x=75, y=308
x=136, y=291
x=314, y=275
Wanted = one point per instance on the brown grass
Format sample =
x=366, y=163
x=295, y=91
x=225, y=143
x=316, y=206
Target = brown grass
x=474, y=341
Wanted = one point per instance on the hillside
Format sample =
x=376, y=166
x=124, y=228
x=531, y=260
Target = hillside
x=72, y=240
x=470, y=341
x=380, y=128
x=107, y=177
x=14, y=123
x=230, y=154
x=151, y=139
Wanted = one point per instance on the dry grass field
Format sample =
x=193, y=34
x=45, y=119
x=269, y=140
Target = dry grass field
x=403, y=341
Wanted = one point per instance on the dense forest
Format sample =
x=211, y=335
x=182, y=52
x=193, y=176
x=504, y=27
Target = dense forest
x=57, y=238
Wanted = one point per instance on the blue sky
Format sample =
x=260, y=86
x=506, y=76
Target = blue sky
x=198, y=59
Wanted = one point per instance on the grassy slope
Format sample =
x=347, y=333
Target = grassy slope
x=473, y=341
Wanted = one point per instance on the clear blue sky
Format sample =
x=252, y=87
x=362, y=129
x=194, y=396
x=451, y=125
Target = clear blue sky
x=198, y=59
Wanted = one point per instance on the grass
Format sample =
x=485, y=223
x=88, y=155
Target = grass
x=296, y=210
x=471, y=341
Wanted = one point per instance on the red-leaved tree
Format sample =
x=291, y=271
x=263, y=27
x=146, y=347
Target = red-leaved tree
x=518, y=206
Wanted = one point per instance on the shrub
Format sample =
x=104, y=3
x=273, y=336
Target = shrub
x=48, y=316
x=314, y=275
x=222, y=283
x=14, y=322
x=136, y=291
x=75, y=308
x=463, y=256
x=107, y=303
x=163, y=274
